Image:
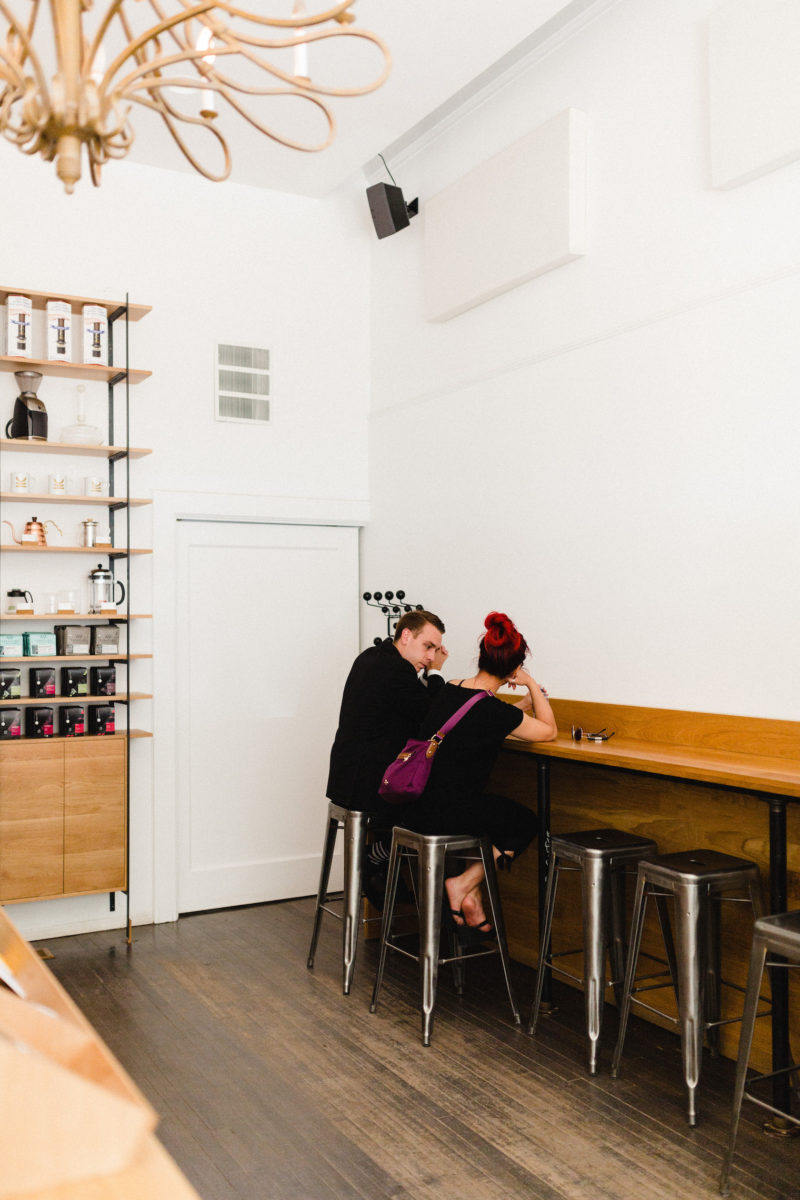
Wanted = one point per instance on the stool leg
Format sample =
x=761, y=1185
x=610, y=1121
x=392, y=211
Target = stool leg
x=354, y=852
x=616, y=932
x=431, y=885
x=662, y=909
x=637, y=925
x=758, y=954
x=386, y=923
x=691, y=987
x=493, y=893
x=713, y=956
x=544, y=942
x=324, y=875
x=594, y=904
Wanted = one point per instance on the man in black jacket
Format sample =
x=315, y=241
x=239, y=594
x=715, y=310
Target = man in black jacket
x=386, y=696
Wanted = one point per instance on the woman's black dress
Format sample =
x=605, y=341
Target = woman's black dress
x=454, y=800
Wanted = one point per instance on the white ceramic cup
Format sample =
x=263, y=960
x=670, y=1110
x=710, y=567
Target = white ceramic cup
x=57, y=484
x=22, y=482
x=94, y=485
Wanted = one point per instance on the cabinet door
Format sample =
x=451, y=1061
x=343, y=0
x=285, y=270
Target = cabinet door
x=31, y=820
x=94, y=815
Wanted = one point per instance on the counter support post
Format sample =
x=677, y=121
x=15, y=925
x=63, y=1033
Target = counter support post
x=779, y=979
x=543, y=799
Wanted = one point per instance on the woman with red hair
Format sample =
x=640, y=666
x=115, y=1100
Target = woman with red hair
x=454, y=800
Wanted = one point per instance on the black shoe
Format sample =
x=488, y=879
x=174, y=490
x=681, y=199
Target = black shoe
x=373, y=885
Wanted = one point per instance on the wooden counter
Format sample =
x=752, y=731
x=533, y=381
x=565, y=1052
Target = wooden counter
x=687, y=780
x=73, y=1125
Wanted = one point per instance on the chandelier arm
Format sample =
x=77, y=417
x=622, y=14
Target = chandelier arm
x=338, y=13
x=169, y=116
x=276, y=137
x=29, y=53
x=308, y=84
x=151, y=35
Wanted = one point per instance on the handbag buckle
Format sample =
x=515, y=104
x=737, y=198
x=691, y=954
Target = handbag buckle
x=433, y=745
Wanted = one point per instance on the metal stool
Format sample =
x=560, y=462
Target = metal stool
x=778, y=935
x=430, y=851
x=355, y=824
x=696, y=880
x=601, y=856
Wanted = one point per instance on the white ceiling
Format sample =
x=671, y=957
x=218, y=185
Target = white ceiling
x=442, y=52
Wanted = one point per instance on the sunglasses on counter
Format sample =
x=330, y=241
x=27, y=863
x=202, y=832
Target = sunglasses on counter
x=599, y=736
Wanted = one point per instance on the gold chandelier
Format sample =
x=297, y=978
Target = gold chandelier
x=159, y=54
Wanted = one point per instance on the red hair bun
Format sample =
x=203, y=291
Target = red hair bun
x=501, y=631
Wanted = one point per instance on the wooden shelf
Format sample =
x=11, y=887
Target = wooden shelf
x=29, y=701
x=71, y=370
x=69, y=617
x=71, y=448
x=39, y=301
x=60, y=737
x=45, y=498
x=111, y=551
x=32, y=659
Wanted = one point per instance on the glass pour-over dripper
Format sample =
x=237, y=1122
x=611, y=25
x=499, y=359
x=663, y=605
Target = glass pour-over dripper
x=82, y=433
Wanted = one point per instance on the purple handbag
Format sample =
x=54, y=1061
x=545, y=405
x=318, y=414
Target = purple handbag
x=406, y=777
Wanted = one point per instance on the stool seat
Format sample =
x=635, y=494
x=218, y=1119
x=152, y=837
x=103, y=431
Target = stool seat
x=356, y=824
x=778, y=935
x=602, y=856
x=706, y=867
x=430, y=851
x=696, y=881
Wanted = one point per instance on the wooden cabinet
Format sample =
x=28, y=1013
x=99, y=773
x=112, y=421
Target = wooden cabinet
x=63, y=824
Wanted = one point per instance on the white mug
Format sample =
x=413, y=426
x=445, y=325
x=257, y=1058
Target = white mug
x=22, y=482
x=58, y=485
x=94, y=485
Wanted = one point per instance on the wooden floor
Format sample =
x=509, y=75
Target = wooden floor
x=271, y=1085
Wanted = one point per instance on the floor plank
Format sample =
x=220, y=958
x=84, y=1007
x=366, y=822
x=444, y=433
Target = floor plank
x=271, y=1085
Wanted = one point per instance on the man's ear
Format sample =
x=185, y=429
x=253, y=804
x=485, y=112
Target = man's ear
x=405, y=634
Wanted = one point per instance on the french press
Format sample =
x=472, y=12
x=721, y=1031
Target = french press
x=101, y=590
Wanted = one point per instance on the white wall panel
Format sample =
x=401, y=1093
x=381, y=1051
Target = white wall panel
x=754, y=88
x=520, y=213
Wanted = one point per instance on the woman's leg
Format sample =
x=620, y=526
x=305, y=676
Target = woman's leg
x=464, y=892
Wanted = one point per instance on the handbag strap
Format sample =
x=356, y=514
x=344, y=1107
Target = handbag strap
x=459, y=713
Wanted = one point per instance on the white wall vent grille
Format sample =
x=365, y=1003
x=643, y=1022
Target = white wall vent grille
x=242, y=384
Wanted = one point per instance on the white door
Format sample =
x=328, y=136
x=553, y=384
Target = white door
x=268, y=629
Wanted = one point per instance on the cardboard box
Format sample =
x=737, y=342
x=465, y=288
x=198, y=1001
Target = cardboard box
x=19, y=315
x=74, y=681
x=38, y=644
x=73, y=639
x=10, y=723
x=59, y=330
x=72, y=720
x=95, y=334
x=102, y=719
x=103, y=681
x=10, y=680
x=42, y=682
x=105, y=639
x=39, y=721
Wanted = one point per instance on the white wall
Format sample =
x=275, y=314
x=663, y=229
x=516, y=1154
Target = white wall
x=608, y=452
x=217, y=263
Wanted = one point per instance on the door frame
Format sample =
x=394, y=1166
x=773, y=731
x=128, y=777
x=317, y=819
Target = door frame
x=168, y=509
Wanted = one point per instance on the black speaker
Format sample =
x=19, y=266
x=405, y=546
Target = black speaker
x=388, y=208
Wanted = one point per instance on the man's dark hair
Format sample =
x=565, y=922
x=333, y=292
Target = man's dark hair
x=416, y=620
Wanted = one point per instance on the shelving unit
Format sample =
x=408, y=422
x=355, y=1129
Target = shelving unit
x=64, y=791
